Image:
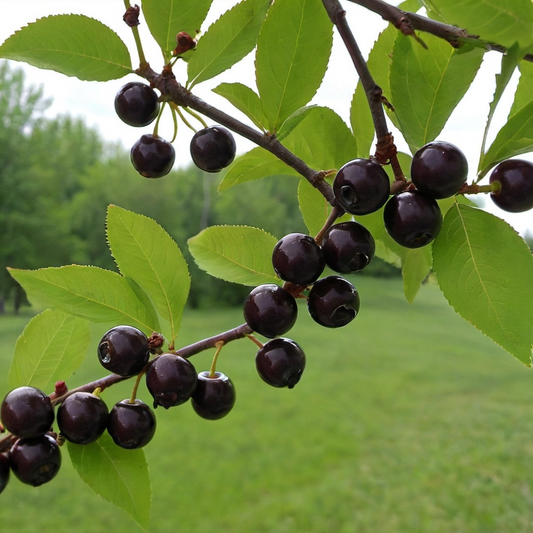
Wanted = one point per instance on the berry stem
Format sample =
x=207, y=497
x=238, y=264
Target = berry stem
x=335, y=213
x=255, y=340
x=137, y=38
x=133, y=396
x=213, y=369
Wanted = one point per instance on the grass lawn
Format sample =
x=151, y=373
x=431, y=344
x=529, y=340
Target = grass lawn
x=408, y=420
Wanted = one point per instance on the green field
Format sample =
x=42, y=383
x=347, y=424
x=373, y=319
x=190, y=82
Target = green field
x=408, y=420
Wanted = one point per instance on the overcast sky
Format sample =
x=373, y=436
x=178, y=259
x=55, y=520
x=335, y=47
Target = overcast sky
x=94, y=101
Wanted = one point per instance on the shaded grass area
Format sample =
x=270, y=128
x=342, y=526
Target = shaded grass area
x=407, y=420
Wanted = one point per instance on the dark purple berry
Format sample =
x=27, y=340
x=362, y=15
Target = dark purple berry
x=35, y=461
x=4, y=472
x=270, y=310
x=361, y=186
x=152, y=157
x=82, y=417
x=298, y=258
x=213, y=149
x=124, y=350
x=333, y=302
x=514, y=181
x=439, y=169
x=348, y=247
x=27, y=412
x=412, y=218
x=131, y=424
x=214, y=397
x=280, y=362
x=171, y=379
x=137, y=104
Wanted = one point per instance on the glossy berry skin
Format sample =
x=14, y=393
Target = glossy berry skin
x=348, y=247
x=280, y=362
x=124, y=350
x=82, y=417
x=412, y=219
x=298, y=258
x=131, y=425
x=171, y=380
x=439, y=169
x=27, y=412
x=152, y=157
x=270, y=310
x=515, y=178
x=333, y=302
x=137, y=104
x=4, y=472
x=214, y=397
x=213, y=148
x=35, y=461
x=361, y=186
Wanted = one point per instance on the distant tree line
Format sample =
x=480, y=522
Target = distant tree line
x=57, y=177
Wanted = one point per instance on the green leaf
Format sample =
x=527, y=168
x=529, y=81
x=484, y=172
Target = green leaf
x=523, y=94
x=292, y=55
x=253, y=165
x=118, y=475
x=245, y=100
x=427, y=85
x=240, y=254
x=89, y=292
x=416, y=265
x=514, y=138
x=166, y=18
x=227, y=40
x=485, y=270
x=74, y=45
x=51, y=347
x=145, y=253
x=499, y=22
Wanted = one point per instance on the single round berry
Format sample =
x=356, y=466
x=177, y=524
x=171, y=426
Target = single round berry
x=137, y=104
x=4, y=472
x=82, y=417
x=333, y=302
x=171, y=380
x=439, y=169
x=298, y=258
x=27, y=412
x=214, y=396
x=124, y=350
x=361, y=186
x=280, y=362
x=35, y=461
x=348, y=247
x=131, y=424
x=515, y=189
x=270, y=310
x=213, y=149
x=412, y=218
x=152, y=157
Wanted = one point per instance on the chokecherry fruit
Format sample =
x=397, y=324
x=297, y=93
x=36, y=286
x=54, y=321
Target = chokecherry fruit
x=213, y=148
x=124, y=350
x=515, y=190
x=152, y=156
x=137, y=104
x=270, y=310
x=82, y=417
x=36, y=460
x=298, y=258
x=214, y=396
x=333, y=302
x=4, y=472
x=171, y=380
x=439, y=169
x=27, y=412
x=131, y=424
x=280, y=362
x=412, y=218
x=348, y=247
x=361, y=186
